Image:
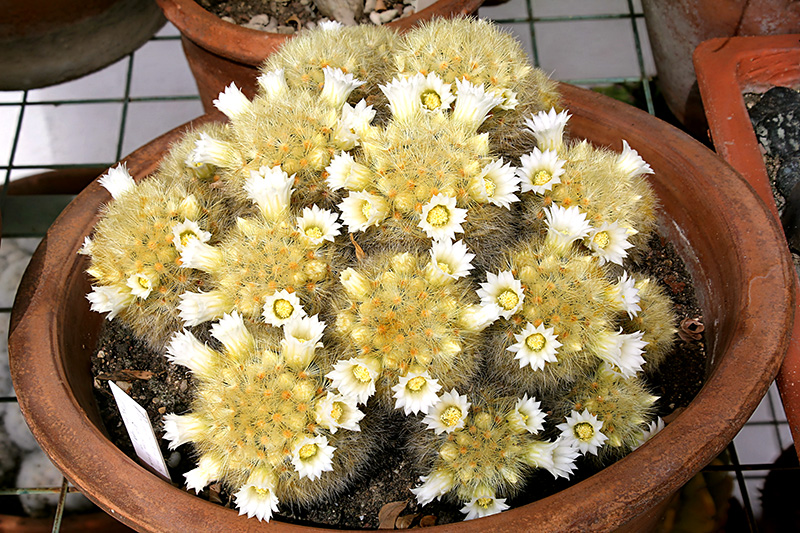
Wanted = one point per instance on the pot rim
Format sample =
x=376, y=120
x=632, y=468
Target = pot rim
x=252, y=47
x=602, y=502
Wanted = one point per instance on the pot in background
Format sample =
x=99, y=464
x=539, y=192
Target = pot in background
x=727, y=68
x=731, y=246
x=220, y=52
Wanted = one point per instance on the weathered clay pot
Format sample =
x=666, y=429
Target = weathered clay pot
x=676, y=27
x=727, y=68
x=219, y=52
x=43, y=42
x=731, y=245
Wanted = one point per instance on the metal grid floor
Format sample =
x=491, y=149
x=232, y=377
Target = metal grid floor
x=96, y=120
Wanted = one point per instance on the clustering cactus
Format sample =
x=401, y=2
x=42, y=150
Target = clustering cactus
x=400, y=226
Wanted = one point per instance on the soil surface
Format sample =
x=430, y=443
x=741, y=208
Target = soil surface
x=165, y=388
x=289, y=16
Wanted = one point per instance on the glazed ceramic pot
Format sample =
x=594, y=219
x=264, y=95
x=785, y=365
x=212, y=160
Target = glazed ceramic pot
x=220, y=52
x=726, y=69
x=731, y=245
x=43, y=42
x=676, y=27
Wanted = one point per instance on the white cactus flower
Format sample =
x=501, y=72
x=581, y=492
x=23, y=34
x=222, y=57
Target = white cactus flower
x=257, y=498
x=355, y=284
x=484, y=505
x=180, y=429
x=476, y=318
x=141, y=285
x=416, y=392
x=281, y=307
x=626, y=295
x=527, y=416
x=318, y=225
x=209, y=468
x=557, y=457
x=434, y=93
x=86, y=247
x=232, y=102
x=404, y=97
x=509, y=98
x=441, y=219
x=201, y=256
x=117, y=181
x=231, y=331
x=353, y=124
x=301, y=339
x=354, y=378
x=271, y=189
x=345, y=173
x=448, y=413
x=622, y=351
x=536, y=346
x=183, y=232
x=609, y=243
x=548, y=128
x=109, y=299
x=630, y=163
x=337, y=86
x=582, y=431
x=652, y=429
x=502, y=293
x=184, y=349
x=473, y=104
x=210, y=151
x=273, y=84
x=565, y=225
x=360, y=210
x=198, y=307
x=433, y=487
x=329, y=25
x=449, y=261
x=312, y=456
x=540, y=170
x=335, y=411
x=496, y=184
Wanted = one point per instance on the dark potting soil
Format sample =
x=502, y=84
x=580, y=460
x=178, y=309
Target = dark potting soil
x=287, y=15
x=162, y=388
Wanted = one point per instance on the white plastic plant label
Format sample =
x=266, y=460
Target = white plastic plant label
x=140, y=431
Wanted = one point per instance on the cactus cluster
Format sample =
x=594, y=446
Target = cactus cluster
x=394, y=222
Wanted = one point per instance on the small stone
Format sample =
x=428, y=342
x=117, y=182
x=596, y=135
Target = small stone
x=407, y=11
x=369, y=6
x=182, y=386
x=388, y=16
x=174, y=460
x=124, y=385
x=375, y=18
x=162, y=410
x=776, y=120
x=286, y=30
x=788, y=175
x=228, y=19
x=101, y=354
x=310, y=25
x=262, y=19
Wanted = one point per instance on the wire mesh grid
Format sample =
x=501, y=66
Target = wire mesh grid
x=554, y=33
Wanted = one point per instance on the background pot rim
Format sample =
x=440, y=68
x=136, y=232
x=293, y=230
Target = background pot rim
x=619, y=493
x=252, y=47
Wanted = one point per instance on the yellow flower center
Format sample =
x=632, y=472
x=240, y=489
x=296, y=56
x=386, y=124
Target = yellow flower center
x=431, y=99
x=523, y=416
x=542, y=177
x=262, y=492
x=601, y=239
x=336, y=411
x=186, y=236
x=484, y=502
x=490, y=187
x=584, y=431
x=366, y=207
x=144, y=282
x=535, y=342
x=508, y=299
x=416, y=383
x=283, y=309
x=438, y=216
x=307, y=451
x=444, y=267
x=361, y=373
x=314, y=232
x=450, y=416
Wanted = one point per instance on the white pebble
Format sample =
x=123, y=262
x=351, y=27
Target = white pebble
x=369, y=6
x=388, y=16
x=228, y=19
x=262, y=19
x=375, y=18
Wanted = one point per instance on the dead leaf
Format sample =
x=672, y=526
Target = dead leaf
x=214, y=491
x=427, y=521
x=360, y=255
x=294, y=19
x=404, y=522
x=389, y=513
x=691, y=329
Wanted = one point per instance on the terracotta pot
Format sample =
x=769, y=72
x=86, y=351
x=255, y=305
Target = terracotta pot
x=731, y=245
x=727, y=68
x=220, y=52
x=676, y=27
x=43, y=42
